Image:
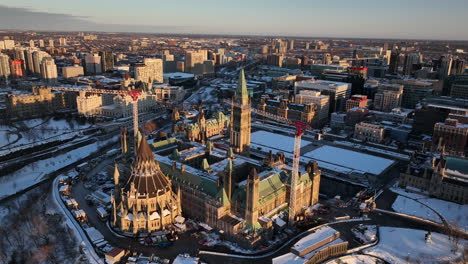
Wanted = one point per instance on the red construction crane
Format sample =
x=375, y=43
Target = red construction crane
x=300, y=128
x=133, y=93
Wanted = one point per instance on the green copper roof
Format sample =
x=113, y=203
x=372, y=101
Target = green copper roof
x=241, y=90
x=205, y=165
x=457, y=164
x=163, y=143
x=221, y=196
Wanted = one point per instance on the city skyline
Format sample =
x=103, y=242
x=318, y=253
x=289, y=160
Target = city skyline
x=303, y=19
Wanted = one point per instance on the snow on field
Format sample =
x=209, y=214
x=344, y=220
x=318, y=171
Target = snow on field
x=275, y=141
x=333, y=156
x=354, y=259
x=411, y=207
x=402, y=245
x=7, y=137
x=452, y=212
x=37, y=171
x=203, y=94
x=365, y=233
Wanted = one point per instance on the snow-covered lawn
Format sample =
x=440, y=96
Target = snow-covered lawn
x=203, y=94
x=35, y=172
x=402, y=245
x=453, y=213
x=354, y=259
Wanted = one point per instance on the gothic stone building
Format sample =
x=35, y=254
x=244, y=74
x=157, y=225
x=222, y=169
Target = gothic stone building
x=445, y=178
x=146, y=202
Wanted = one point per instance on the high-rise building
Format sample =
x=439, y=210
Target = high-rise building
x=414, y=91
x=62, y=42
x=337, y=91
x=51, y=43
x=93, y=64
x=49, y=69
x=388, y=97
x=241, y=117
x=411, y=60
x=327, y=59
x=192, y=58
x=16, y=68
x=28, y=55
x=4, y=66
x=41, y=43
x=291, y=44
x=170, y=65
x=155, y=69
x=107, y=60
x=37, y=60
x=31, y=44
x=307, y=45
x=275, y=60
x=458, y=66
x=322, y=103
x=445, y=66
x=394, y=61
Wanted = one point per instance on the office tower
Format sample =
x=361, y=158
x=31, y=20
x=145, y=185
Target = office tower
x=275, y=59
x=107, y=60
x=41, y=43
x=394, y=61
x=337, y=91
x=291, y=44
x=241, y=117
x=49, y=69
x=51, y=43
x=445, y=68
x=265, y=49
x=385, y=46
x=31, y=44
x=72, y=71
x=155, y=69
x=4, y=66
x=62, y=42
x=356, y=100
x=411, y=60
x=93, y=64
x=307, y=45
x=414, y=91
x=327, y=59
x=169, y=64
x=16, y=67
x=37, y=60
x=193, y=58
x=322, y=102
x=458, y=66
x=388, y=97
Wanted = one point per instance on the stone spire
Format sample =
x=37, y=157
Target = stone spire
x=251, y=210
x=227, y=181
x=242, y=95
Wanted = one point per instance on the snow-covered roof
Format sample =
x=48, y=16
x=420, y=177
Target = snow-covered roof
x=335, y=158
x=314, y=238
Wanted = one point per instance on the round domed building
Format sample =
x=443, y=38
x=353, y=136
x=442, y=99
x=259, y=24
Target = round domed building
x=146, y=202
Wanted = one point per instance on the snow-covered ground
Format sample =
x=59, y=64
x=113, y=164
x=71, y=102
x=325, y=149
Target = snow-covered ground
x=354, y=259
x=37, y=171
x=34, y=131
x=365, y=233
x=203, y=94
x=402, y=245
x=453, y=213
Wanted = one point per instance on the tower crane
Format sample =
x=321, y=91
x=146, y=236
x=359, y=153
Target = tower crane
x=300, y=128
x=133, y=93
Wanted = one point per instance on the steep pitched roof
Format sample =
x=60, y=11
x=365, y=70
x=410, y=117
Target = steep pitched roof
x=241, y=90
x=144, y=152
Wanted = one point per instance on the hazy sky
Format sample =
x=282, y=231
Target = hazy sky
x=427, y=19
